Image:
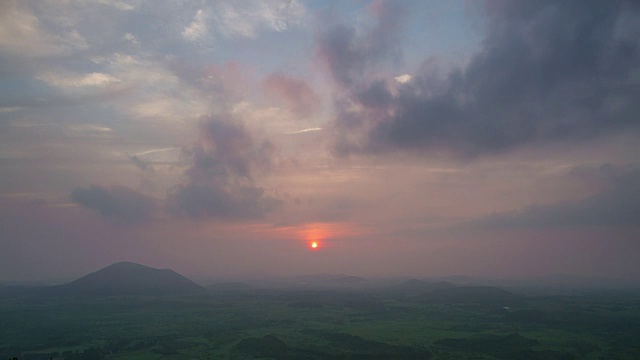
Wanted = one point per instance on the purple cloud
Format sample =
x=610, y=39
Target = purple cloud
x=117, y=202
x=617, y=205
x=347, y=53
x=220, y=181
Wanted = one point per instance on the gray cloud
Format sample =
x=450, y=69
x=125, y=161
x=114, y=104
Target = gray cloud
x=215, y=201
x=220, y=182
x=118, y=202
x=348, y=53
x=140, y=164
x=547, y=71
x=617, y=205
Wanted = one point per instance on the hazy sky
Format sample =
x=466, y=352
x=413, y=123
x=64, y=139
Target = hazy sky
x=219, y=138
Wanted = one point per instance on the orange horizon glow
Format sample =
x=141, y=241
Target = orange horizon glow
x=323, y=234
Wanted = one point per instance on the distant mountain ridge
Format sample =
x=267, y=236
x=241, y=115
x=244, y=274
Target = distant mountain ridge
x=127, y=278
x=470, y=295
x=416, y=287
x=347, y=280
x=229, y=286
x=317, y=278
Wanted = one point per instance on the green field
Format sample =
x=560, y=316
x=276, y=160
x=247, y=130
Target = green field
x=319, y=324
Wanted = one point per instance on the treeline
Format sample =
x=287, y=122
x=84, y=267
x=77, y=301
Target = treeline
x=90, y=353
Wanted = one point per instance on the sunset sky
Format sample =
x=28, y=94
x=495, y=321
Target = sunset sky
x=406, y=138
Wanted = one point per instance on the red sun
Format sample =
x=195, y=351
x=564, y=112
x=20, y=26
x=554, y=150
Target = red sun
x=314, y=245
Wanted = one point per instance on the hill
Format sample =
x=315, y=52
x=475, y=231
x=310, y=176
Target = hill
x=17, y=290
x=314, y=279
x=470, y=295
x=229, y=286
x=127, y=278
x=347, y=280
x=414, y=287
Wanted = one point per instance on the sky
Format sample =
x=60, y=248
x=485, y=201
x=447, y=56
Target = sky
x=407, y=138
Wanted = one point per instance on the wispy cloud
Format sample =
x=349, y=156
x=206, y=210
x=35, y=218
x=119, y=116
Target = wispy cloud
x=74, y=81
x=22, y=33
x=297, y=95
x=119, y=4
x=248, y=18
x=156, y=151
x=198, y=29
x=304, y=131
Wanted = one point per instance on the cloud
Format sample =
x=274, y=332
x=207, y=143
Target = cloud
x=93, y=79
x=163, y=155
x=22, y=33
x=546, y=72
x=304, y=131
x=617, y=205
x=198, y=27
x=228, y=81
x=348, y=52
x=247, y=18
x=220, y=182
x=117, y=202
x=140, y=164
x=403, y=79
x=296, y=94
x=120, y=5
x=216, y=201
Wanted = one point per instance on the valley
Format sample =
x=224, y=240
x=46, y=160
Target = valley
x=414, y=319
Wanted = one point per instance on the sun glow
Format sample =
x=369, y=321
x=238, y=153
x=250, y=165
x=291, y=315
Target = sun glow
x=314, y=245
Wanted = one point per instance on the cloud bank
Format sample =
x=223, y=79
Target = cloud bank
x=117, y=202
x=220, y=181
x=616, y=205
x=546, y=72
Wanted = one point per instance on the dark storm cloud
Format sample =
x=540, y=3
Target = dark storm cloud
x=375, y=95
x=547, y=71
x=220, y=181
x=346, y=53
x=617, y=205
x=117, y=202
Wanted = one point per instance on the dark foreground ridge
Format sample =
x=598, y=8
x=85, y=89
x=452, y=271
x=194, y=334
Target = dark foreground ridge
x=127, y=278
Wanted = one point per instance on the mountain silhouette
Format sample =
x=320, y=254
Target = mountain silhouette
x=127, y=278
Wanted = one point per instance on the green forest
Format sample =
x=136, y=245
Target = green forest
x=300, y=323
